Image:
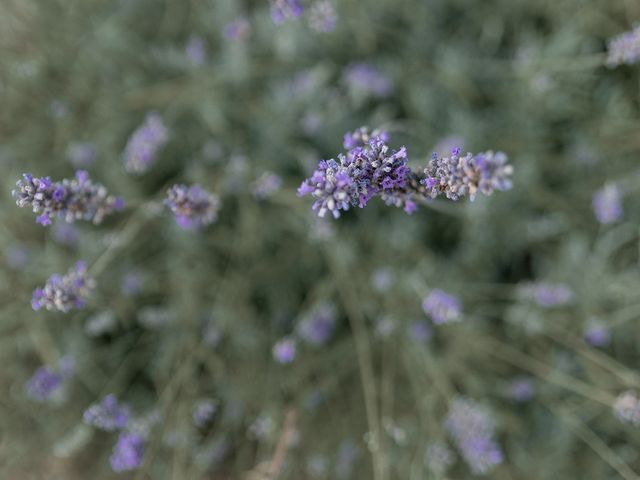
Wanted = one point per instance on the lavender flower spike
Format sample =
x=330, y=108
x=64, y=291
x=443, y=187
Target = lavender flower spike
x=626, y=408
x=472, y=430
x=282, y=10
x=143, y=145
x=442, y=307
x=624, y=49
x=64, y=292
x=70, y=200
x=128, y=452
x=47, y=383
x=193, y=206
x=107, y=415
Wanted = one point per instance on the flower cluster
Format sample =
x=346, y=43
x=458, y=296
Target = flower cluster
x=442, y=307
x=70, y=200
x=193, y=206
x=624, y=49
x=47, y=383
x=64, y=292
x=607, y=204
x=266, y=185
x=626, y=408
x=284, y=351
x=322, y=16
x=281, y=10
x=371, y=168
x=108, y=415
x=472, y=429
x=317, y=327
x=127, y=452
x=143, y=145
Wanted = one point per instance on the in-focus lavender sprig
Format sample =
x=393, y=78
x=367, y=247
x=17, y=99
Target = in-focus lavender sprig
x=193, y=206
x=624, y=48
x=143, y=145
x=472, y=429
x=371, y=168
x=70, y=199
x=65, y=292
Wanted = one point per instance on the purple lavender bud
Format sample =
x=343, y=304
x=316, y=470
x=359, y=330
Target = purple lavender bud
x=203, y=412
x=549, y=295
x=626, y=408
x=81, y=155
x=419, y=331
x=317, y=327
x=624, y=49
x=70, y=200
x=17, y=257
x=442, y=307
x=458, y=176
x=472, y=429
x=193, y=206
x=107, y=415
x=47, y=383
x=143, y=145
x=266, y=185
x=597, y=335
x=65, y=292
x=521, y=389
x=439, y=458
x=322, y=16
x=127, y=453
x=237, y=30
x=282, y=10
x=365, y=78
x=196, y=51
x=607, y=204
x=284, y=351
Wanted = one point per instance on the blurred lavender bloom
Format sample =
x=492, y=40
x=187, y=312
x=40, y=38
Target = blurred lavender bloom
x=624, y=48
x=419, y=331
x=64, y=292
x=81, y=154
x=317, y=327
x=626, y=408
x=597, y=334
x=196, y=51
x=107, y=415
x=100, y=323
x=472, y=429
x=442, y=307
x=131, y=284
x=155, y=316
x=521, y=389
x=266, y=185
x=238, y=29
x=549, y=295
x=385, y=326
x=203, y=412
x=17, y=257
x=439, y=458
x=47, y=383
x=322, y=16
x=284, y=351
x=66, y=234
x=607, y=204
x=366, y=78
x=457, y=176
x=143, y=145
x=70, y=200
x=193, y=206
x=282, y=10
x=128, y=452
x=382, y=279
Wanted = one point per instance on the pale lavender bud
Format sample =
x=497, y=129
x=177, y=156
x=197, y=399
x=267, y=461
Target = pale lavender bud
x=107, y=415
x=322, y=16
x=607, y=204
x=128, y=452
x=282, y=10
x=521, y=389
x=549, y=295
x=196, y=51
x=65, y=292
x=597, y=334
x=624, y=49
x=193, y=206
x=367, y=79
x=266, y=185
x=237, y=30
x=203, y=412
x=626, y=408
x=143, y=145
x=47, y=383
x=284, y=351
x=317, y=327
x=419, y=331
x=442, y=307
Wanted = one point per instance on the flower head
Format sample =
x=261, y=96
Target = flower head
x=143, y=145
x=521, y=389
x=107, y=415
x=47, y=382
x=322, y=16
x=284, y=351
x=282, y=10
x=597, y=334
x=472, y=429
x=624, y=49
x=75, y=199
x=193, y=206
x=607, y=204
x=64, y=292
x=128, y=452
x=442, y=307
x=317, y=327
x=266, y=185
x=626, y=408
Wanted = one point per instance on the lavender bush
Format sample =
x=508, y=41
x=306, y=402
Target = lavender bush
x=221, y=290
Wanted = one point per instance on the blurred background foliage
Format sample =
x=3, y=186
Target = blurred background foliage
x=525, y=77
